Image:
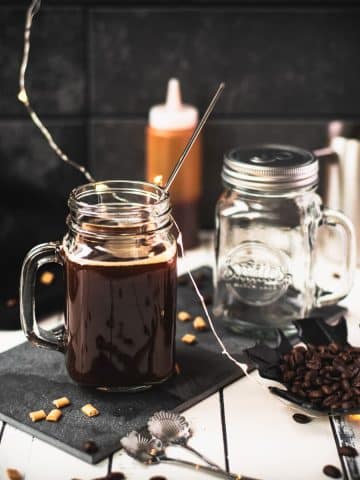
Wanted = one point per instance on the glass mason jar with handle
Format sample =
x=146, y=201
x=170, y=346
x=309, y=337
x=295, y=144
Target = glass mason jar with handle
x=267, y=223
x=119, y=259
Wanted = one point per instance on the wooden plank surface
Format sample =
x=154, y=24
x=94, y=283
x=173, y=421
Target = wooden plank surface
x=205, y=420
x=15, y=451
x=347, y=429
x=265, y=442
x=347, y=432
x=48, y=462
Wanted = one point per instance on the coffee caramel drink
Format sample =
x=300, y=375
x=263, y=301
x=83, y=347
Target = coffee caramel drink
x=119, y=322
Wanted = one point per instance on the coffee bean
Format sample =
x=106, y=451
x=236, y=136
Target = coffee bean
x=315, y=394
x=331, y=400
x=291, y=362
x=333, y=347
x=288, y=376
x=318, y=381
x=326, y=389
x=335, y=386
x=332, y=471
x=300, y=371
x=90, y=447
x=298, y=357
x=313, y=364
x=347, y=396
x=348, y=451
x=301, y=418
x=345, y=385
x=356, y=381
x=346, y=357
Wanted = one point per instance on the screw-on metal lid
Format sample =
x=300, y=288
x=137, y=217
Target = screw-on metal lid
x=272, y=168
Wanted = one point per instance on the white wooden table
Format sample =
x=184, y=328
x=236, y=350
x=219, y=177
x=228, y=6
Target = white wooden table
x=243, y=428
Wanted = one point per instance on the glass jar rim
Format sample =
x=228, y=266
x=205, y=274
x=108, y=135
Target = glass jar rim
x=119, y=207
x=113, y=187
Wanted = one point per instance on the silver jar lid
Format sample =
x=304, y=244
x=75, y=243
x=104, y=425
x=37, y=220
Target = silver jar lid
x=272, y=168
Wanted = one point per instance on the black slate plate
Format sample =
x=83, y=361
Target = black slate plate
x=31, y=378
x=315, y=331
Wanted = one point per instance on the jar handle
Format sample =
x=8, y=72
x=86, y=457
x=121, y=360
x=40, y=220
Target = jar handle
x=336, y=219
x=36, y=257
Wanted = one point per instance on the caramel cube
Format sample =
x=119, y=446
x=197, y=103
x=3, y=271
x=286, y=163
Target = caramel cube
x=184, y=316
x=200, y=324
x=61, y=402
x=189, y=338
x=54, y=415
x=38, y=415
x=90, y=410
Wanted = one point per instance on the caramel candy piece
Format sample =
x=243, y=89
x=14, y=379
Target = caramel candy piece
x=54, y=415
x=90, y=410
x=184, y=316
x=38, y=415
x=47, y=278
x=61, y=402
x=200, y=324
x=13, y=474
x=189, y=338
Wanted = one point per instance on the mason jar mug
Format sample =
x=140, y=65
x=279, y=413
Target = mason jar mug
x=267, y=223
x=119, y=260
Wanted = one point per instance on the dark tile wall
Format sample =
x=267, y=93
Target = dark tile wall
x=97, y=67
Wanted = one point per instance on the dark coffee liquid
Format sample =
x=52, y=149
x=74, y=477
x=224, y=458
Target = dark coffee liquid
x=120, y=322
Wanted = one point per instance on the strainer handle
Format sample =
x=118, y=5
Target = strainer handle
x=336, y=219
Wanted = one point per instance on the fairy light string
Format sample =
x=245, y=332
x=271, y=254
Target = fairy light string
x=23, y=97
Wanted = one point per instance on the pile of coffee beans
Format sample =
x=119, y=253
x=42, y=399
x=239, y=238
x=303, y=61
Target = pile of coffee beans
x=328, y=376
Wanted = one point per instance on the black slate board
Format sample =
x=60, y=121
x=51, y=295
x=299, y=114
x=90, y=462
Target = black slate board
x=31, y=378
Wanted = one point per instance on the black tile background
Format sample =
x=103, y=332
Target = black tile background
x=97, y=66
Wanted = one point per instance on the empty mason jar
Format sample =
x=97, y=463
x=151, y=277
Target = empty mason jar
x=267, y=222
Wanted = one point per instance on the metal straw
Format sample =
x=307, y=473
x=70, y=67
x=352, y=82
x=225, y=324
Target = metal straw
x=194, y=136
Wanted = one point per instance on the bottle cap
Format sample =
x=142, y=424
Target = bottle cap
x=173, y=115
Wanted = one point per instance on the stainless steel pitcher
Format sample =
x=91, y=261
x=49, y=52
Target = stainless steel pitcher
x=340, y=173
